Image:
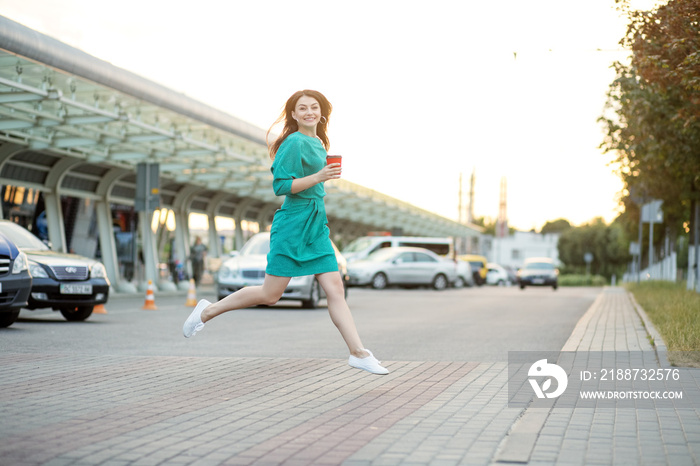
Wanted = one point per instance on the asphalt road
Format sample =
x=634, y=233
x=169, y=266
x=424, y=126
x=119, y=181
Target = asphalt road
x=471, y=324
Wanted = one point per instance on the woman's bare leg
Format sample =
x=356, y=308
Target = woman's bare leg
x=340, y=313
x=269, y=293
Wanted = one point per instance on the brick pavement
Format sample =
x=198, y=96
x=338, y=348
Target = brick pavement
x=73, y=409
x=574, y=435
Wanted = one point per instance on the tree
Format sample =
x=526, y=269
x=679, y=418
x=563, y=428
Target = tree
x=655, y=126
x=555, y=226
x=607, y=243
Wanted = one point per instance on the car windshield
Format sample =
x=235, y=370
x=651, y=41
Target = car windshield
x=257, y=245
x=359, y=244
x=381, y=255
x=540, y=265
x=22, y=238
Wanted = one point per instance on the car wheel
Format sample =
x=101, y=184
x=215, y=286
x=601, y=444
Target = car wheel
x=379, y=282
x=460, y=283
x=314, y=296
x=440, y=282
x=8, y=318
x=77, y=313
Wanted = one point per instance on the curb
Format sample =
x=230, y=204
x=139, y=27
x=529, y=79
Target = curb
x=659, y=344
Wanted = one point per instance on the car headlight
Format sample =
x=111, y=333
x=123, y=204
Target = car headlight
x=21, y=263
x=98, y=271
x=37, y=271
x=228, y=272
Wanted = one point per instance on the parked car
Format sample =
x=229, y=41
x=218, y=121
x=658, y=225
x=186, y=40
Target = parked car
x=15, y=281
x=68, y=283
x=497, y=275
x=478, y=265
x=247, y=268
x=402, y=266
x=465, y=277
x=363, y=246
x=538, y=271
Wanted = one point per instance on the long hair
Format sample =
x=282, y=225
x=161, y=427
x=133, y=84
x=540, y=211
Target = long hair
x=291, y=126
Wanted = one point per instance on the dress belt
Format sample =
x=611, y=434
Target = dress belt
x=316, y=212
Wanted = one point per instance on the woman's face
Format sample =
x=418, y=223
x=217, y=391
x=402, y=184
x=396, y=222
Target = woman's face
x=307, y=112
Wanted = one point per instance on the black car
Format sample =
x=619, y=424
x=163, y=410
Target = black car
x=68, y=283
x=538, y=272
x=15, y=281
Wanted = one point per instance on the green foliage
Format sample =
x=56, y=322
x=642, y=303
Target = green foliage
x=556, y=226
x=582, y=280
x=653, y=110
x=607, y=243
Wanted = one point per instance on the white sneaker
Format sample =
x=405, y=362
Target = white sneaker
x=368, y=363
x=194, y=323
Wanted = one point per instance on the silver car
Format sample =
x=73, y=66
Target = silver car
x=247, y=268
x=402, y=266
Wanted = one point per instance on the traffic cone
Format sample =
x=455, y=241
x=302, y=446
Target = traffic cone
x=191, y=295
x=150, y=304
x=99, y=309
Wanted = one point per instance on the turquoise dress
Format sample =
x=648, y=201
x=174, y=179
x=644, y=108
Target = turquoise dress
x=300, y=241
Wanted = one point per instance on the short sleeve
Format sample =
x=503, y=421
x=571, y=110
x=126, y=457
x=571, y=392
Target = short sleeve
x=287, y=166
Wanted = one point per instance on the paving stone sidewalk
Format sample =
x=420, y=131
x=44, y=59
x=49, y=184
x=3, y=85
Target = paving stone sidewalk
x=571, y=435
x=76, y=409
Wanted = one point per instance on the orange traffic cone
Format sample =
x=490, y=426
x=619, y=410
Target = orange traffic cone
x=191, y=295
x=150, y=304
x=99, y=309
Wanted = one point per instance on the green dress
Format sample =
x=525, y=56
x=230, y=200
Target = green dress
x=300, y=241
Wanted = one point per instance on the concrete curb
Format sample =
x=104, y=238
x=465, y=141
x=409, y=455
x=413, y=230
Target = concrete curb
x=659, y=344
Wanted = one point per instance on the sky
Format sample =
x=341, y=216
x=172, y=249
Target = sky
x=422, y=91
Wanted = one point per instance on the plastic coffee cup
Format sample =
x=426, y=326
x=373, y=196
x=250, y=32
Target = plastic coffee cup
x=334, y=159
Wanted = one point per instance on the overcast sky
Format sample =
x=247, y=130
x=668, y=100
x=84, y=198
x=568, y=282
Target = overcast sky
x=421, y=90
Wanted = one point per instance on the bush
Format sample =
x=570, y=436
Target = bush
x=582, y=280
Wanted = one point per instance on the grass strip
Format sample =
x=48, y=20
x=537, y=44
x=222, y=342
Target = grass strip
x=675, y=312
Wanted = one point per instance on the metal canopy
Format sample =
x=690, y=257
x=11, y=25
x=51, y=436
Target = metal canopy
x=61, y=102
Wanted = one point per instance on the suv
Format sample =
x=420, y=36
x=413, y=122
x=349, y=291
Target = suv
x=68, y=283
x=247, y=268
x=15, y=281
x=538, y=271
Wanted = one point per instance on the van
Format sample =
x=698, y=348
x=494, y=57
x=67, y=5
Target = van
x=479, y=267
x=364, y=246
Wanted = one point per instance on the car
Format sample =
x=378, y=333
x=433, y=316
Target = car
x=69, y=283
x=478, y=265
x=402, y=266
x=15, y=281
x=465, y=277
x=497, y=275
x=247, y=268
x=363, y=246
x=538, y=271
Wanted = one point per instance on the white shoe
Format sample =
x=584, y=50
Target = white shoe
x=368, y=363
x=194, y=323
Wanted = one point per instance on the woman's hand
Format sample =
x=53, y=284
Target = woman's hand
x=329, y=172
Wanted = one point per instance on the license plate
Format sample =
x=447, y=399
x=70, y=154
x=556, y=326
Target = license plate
x=538, y=281
x=75, y=289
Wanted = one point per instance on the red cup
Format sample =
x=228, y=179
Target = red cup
x=334, y=159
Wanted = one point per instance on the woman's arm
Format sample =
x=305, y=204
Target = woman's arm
x=329, y=172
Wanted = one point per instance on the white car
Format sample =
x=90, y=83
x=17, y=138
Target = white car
x=497, y=275
x=247, y=268
x=402, y=266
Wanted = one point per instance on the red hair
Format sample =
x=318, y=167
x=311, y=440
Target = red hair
x=291, y=126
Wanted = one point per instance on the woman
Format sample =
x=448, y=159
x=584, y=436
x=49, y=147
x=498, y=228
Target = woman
x=299, y=239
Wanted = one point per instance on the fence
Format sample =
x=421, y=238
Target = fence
x=664, y=270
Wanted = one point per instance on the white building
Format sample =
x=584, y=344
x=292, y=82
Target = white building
x=514, y=249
